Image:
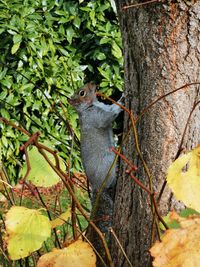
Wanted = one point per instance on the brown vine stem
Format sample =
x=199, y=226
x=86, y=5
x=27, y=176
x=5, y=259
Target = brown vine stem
x=66, y=182
x=144, y=111
x=142, y=4
x=120, y=246
x=73, y=208
x=133, y=122
x=185, y=129
x=85, y=237
x=129, y=171
x=14, y=126
x=49, y=215
x=140, y=184
x=6, y=182
x=146, y=169
x=180, y=146
x=30, y=141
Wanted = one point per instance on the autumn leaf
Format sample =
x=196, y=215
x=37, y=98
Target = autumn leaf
x=183, y=177
x=78, y=254
x=26, y=230
x=41, y=173
x=179, y=247
x=61, y=219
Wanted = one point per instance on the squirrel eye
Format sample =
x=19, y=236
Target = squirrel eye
x=82, y=93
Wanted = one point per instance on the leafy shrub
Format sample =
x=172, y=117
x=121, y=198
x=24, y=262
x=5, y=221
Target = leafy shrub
x=49, y=49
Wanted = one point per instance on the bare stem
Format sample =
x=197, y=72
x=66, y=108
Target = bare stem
x=141, y=4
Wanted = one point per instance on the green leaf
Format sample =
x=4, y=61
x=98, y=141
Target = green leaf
x=3, y=95
x=7, y=81
x=93, y=19
x=101, y=56
x=104, y=40
x=70, y=34
x=104, y=84
x=77, y=22
x=104, y=73
x=17, y=38
x=116, y=51
x=4, y=141
x=15, y=47
x=4, y=113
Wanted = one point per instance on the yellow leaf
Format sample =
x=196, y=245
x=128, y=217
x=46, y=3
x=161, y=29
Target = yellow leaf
x=179, y=247
x=78, y=254
x=186, y=184
x=61, y=219
x=26, y=230
x=41, y=173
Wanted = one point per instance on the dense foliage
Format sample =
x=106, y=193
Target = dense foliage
x=48, y=49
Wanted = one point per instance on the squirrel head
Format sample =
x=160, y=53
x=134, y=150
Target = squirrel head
x=84, y=97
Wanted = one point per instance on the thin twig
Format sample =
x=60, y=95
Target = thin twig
x=180, y=147
x=49, y=215
x=140, y=184
x=14, y=126
x=133, y=122
x=144, y=111
x=185, y=129
x=129, y=171
x=120, y=246
x=142, y=4
x=67, y=182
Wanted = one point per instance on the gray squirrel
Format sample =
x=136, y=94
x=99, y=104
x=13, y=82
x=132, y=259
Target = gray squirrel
x=96, y=142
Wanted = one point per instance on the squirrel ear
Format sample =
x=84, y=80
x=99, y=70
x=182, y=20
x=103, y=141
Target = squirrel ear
x=92, y=86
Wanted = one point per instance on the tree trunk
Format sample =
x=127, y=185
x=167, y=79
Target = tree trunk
x=162, y=53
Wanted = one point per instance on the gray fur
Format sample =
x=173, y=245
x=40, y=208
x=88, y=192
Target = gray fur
x=96, y=135
x=96, y=142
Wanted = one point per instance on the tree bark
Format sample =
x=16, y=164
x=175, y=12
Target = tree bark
x=162, y=53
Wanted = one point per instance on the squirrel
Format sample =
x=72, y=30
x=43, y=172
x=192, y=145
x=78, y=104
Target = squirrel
x=96, y=142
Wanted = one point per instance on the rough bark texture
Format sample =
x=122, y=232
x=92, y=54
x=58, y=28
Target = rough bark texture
x=162, y=52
